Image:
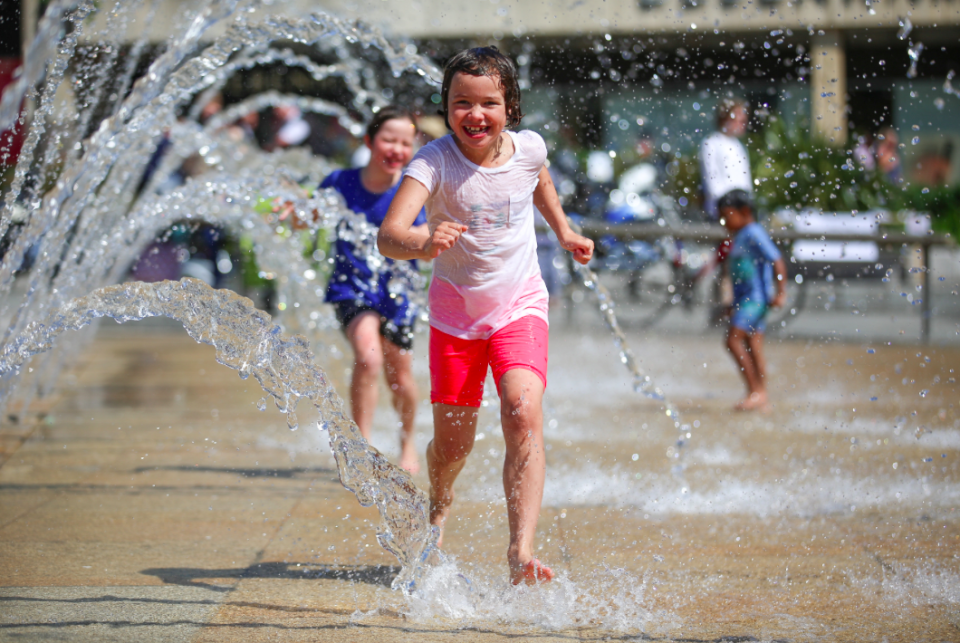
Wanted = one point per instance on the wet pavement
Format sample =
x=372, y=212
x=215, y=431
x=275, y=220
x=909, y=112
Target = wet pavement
x=149, y=500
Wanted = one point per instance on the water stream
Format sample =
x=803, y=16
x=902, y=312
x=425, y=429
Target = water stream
x=247, y=340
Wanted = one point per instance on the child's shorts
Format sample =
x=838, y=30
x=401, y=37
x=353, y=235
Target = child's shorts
x=458, y=366
x=349, y=310
x=748, y=316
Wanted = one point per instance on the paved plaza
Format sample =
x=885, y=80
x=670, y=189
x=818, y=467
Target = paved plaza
x=149, y=500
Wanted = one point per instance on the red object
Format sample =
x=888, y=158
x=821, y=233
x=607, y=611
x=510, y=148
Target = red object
x=458, y=366
x=11, y=140
x=723, y=250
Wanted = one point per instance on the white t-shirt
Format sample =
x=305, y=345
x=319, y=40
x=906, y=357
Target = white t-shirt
x=724, y=166
x=491, y=277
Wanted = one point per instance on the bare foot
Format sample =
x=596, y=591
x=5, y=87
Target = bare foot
x=532, y=572
x=409, y=460
x=753, y=402
x=440, y=511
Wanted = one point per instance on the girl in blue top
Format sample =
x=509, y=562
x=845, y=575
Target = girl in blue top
x=378, y=326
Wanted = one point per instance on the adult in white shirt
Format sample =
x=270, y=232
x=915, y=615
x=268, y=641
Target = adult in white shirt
x=724, y=164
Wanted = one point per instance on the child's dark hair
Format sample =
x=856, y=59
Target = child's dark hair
x=388, y=113
x=726, y=108
x=736, y=199
x=484, y=61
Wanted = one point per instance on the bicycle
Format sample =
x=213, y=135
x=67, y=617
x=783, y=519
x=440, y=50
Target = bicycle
x=663, y=271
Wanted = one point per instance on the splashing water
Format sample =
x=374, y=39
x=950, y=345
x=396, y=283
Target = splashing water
x=609, y=598
x=641, y=381
x=905, y=28
x=96, y=199
x=914, y=51
x=948, y=84
x=247, y=341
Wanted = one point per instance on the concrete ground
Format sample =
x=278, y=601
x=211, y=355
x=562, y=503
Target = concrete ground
x=149, y=500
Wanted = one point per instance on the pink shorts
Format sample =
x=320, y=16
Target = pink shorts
x=459, y=366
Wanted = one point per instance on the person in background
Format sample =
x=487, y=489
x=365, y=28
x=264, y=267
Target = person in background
x=548, y=254
x=864, y=153
x=888, y=155
x=379, y=325
x=752, y=255
x=291, y=128
x=724, y=166
x=724, y=163
x=934, y=167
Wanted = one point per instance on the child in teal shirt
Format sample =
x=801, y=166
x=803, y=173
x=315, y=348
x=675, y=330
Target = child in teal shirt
x=757, y=269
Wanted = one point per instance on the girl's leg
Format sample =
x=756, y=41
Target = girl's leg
x=399, y=372
x=738, y=344
x=363, y=332
x=755, y=346
x=454, y=429
x=524, y=468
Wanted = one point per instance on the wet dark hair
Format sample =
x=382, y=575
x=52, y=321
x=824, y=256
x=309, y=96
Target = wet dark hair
x=484, y=61
x=388, y=113
x=736, y=199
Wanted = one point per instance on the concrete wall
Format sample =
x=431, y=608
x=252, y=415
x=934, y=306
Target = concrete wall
x=504, y=18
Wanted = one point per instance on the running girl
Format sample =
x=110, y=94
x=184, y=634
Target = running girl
x=488, y=302
x=378, y=325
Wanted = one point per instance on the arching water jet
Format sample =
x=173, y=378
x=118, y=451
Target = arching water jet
x=248, y=341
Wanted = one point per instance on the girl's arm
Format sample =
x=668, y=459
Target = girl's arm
x=780, y=276
x=398, y=239
x=546, y=199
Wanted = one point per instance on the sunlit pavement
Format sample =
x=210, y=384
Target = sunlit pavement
x=150, y=500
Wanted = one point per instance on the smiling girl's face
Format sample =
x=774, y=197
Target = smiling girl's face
x=392, y=146
x=477, y=113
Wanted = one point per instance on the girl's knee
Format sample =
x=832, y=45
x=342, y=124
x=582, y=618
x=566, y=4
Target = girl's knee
x=402, y=383
x=450, y=451
x=520, y=415
x=735, y=339
x=369, y=361
x=515, y=405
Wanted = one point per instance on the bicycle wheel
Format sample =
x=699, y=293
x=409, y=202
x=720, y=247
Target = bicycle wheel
x=653, y=289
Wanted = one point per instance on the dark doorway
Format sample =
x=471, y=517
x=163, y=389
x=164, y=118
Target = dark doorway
x=10, y=28
x=870, y=111
x=582, y=112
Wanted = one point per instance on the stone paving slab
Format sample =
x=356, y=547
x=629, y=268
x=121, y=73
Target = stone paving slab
x=105, y=614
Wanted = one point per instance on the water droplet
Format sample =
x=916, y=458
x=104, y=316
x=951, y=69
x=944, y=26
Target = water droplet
x=905, y=28
x=914, y=52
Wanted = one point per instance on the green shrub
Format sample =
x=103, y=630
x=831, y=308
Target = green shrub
x=793, y=171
